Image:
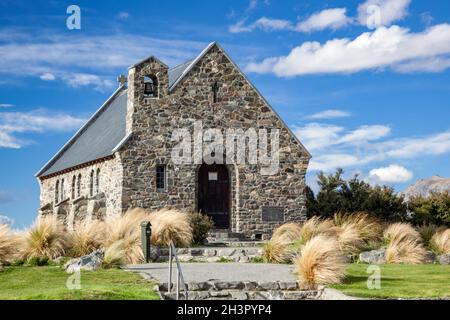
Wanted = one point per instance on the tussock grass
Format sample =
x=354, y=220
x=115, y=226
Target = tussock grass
x=399, y=232
x=85, y=237
x=320, y=262
x=314, y=227
x=287, y=233
x=369, y=228
x=440, y=242
x=428, y=231
x=8, y=244
x=276, y=251
x=405, y=251
x=45, y=239
x=115, y=255
x=123, y=233
x=349, y=239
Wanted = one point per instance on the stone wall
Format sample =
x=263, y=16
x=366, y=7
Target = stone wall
x=107, y=200
x=152, y=122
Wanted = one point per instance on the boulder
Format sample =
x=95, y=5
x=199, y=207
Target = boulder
x=430, y=257
x=91, y=262
x=444, y=259
x=373, y=257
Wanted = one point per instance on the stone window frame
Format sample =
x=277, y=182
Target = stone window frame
x=79, y=186
x=91, y=183
x=57, y=191
x=97, y=181
x=74, y=182
x=215, y=92
x=62, y=190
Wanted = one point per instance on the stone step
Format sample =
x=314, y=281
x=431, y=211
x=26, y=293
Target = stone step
x=213, y=254
x=236, y=290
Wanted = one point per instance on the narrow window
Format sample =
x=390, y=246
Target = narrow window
x=97, y=181
x=79, y=186
x=57, y=191
x=74, y=179
x=62, y=189
x=150, y=87
x=161, y=177
x=91, y=184
x=215, y=89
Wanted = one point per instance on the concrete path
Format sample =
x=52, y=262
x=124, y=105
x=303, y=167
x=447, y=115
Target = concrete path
x=200, y=272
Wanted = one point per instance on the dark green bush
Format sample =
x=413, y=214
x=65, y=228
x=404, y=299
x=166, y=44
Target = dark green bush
x=434, y=209
x=201, y=224
x=38, y=261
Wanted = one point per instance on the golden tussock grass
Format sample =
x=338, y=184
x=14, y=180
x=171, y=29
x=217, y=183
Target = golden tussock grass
x=398, y=232
x=85, y=237
x=440, y=242
x=9, y=243
x=276, y=251
x=170, y=225
x=316, y=226
x=287, y=233
x=45, y=239
x=115, y=255
x=320, y=262
x=405, y=251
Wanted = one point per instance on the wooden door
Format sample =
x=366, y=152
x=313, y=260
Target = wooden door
x=214, y=194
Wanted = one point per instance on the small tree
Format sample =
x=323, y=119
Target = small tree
x=201, y=224
x=355, y=195
x=434, y=209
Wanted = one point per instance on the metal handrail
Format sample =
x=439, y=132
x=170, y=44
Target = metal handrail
x=180, y=278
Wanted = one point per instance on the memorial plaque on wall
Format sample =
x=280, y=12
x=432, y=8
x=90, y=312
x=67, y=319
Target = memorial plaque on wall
x=275, y=214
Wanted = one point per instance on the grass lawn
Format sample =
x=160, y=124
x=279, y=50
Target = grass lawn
x=49, y=283
x=399, y=281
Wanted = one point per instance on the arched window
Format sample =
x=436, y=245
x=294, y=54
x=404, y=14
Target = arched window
x=215, y=90
x=91, y=184
x=79, y=186
x=74, y=178
x=57, y=191
x=150, y=86
x=62, y=189
x=97, y=181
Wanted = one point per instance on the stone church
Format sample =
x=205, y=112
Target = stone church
x=123, y=156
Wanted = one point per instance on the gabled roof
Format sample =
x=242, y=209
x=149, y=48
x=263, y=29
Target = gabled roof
x=96, y=139
x=105, y=132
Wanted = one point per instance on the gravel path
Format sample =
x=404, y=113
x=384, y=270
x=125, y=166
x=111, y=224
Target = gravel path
x=199, y=272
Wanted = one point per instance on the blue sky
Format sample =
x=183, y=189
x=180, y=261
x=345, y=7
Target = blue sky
x=365, y=84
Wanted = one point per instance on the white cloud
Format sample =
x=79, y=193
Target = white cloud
x=38, y=121
x=6, y=220
x=329, y=114
x=335, y=146
x=392, y=47
x=391, y=174
x=382, y=12
x=28, y=53
x=365, y=134
x=326, y=19
x=263, y=23
x=47, y=76
x=318, y=136
x=6, y=105
x=123, y=15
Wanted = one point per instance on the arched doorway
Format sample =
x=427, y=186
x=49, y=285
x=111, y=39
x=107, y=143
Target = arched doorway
x=214, y=194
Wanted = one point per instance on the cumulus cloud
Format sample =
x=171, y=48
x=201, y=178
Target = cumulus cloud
x=38, y=121
x=329, y=114
x=6, y=220
x=263, y=23
x=394, y=47
x=326, y=19
x=382, y=12
x=47, y=76
x=336, y=146
x=391, y=174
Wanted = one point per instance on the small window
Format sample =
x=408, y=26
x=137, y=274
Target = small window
x=57, y=191
x=79, y=186
x=74, y=181
x=91, y=184
x=97, y=182
x=150, y=87
x=161, y=177
x=215, y=90
x=62, y=190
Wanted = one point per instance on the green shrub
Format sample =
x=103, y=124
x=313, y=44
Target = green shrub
x=38, y=261
x=434, y=209
x=17, y=263
x=201, y=224
x=257, y=259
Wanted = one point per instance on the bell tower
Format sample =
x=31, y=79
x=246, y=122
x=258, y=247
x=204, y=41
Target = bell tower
x=148, y=84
